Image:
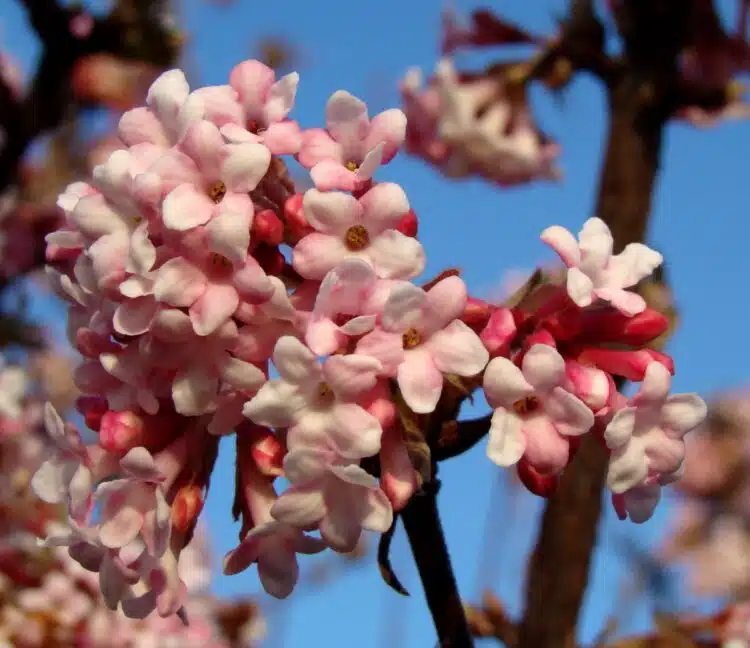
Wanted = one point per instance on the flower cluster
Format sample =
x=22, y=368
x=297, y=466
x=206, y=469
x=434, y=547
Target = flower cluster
x=209, y=298
x=48, y=598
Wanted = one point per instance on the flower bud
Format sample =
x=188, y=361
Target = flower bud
x=543, y=486
x=187, y=506
x=477, y=313
x=264, y=447
x=628, y=364
x=499, y=332
x=593, y=386
x=612, y=326
x=267, y=228
x=120, y=432
x=270, y=259
x=409, y=224
x=296, y=223
x=92, y=408
x=398, y=478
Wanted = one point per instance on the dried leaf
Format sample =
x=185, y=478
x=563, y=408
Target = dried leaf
x=450, y=272
x=384, y=561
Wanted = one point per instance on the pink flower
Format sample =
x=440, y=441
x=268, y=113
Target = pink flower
x=639, y=502
x=646, y=437
x=421, y=337
x=66, y=476
x=535, y=413
x=319, y=401
x=365, y=228
x=346, y=154
x=595, y=273
x=211, y=288
x=337, y=496
x=266, y=103
x=209, y=183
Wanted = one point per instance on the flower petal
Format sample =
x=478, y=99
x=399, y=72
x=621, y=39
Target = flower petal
x=506, y=443
x=396, y=256
x=244, y=166
x=213, y=308
x=420, y=381
x=299, y=507
x=564, y=243
x=458, y=350
x=351, y=375
x=504, y=383
x=543, y=367
x=331, y=212
x=295, y=362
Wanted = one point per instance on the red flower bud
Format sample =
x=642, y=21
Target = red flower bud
x=186, y=507
x=92, y=408
x=612, y=326
x=267, y=228
x=499, y=332
x=628, y=364
x=541, y=485
x=409, y=224
x=270, y=259
x=120, y=432
x=477, y=313
x=296, y=223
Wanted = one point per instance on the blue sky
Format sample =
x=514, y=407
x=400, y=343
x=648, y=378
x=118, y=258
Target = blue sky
x=699, y=223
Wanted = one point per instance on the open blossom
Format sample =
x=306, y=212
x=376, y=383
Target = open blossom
x=535, y=414
x=366, y=228
x=595, y=273
x=319, y=401
x=646, y=437
x=421, y=337
x=348, y=151
x=335, y=495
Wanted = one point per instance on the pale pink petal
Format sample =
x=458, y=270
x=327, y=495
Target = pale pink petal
x=620, y=429
x=564, y=243
x=386, y=347
x=240, y=374
x=283, y=138
x=252, y=283
x=420, y=381
x=172, y=325
x=627, y=468
x=641, y=501
x=546, y=451
x=229, y=234
x=135, y=316
x=347, y=120
x=580, y=288
x=275, y=405
x=243, y=556
x=405, y=308
x=345, y=287
x=351, y=375
x=398, y=478
x=323, y=336
x=179, y=283
x=295, y=362
x=636, y=262
x=204, y=144
x=354, y=474
x=396, y=256
x=48, y=484
x=683, y=412
x=504, y=383
x=330, y=175
x=458, y=350
x=317, y=145
x=655, y=385
x=506, y=443
x=388, y=128
x=167, y=94
x=194, y=391
x=385, y=206
x=628, y=303
x=214, y=307
x=664, y=454
x=331, y=213
x=447, y=301
x=122, y=527
x=370, y=163
x=278, y=571
x=280, y=99
x=316, y=254
x=252, y=81
x=139, y=463
x=355, y=433
x=175, y=168
x=94, y=217
x=79, y=492
x=237, y=134
x=141, y=125
x=142, y=250
x=359, y=325
x=244, y=166
x=305, y=464
x=568, y=413
x=595, y=246
x=185, y=208
x=299, y=507
x=543, y=367
x=216, y=104
x=378, y=512
x=339, y=528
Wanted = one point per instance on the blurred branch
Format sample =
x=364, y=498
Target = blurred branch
x=129, y=34
x=491, y=620
x=460, y=436
x=638, y=101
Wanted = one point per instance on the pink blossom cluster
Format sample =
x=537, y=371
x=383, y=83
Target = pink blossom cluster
x=207, y=298
x=48, y=598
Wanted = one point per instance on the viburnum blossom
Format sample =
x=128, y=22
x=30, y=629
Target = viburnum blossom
x=208, y=297
x=595, y=273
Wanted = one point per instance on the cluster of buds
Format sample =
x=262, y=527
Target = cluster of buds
x=48, y=598
x=193, y=270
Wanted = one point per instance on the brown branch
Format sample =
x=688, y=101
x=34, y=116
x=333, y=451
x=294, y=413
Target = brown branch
x=491, y=620
x=425, y=533
x=48, y=99
x=638, y=100
x=461, y=437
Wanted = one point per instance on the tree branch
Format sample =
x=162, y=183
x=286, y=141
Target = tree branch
x=48, y=99
x=425, y=532
x=463, y=436
x=638, y=100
